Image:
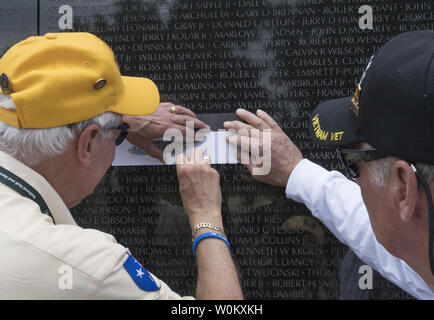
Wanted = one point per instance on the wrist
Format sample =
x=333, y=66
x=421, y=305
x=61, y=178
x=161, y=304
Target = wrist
x=290, y=170
x=200, y=228
x=214, y=217
x=210, y=235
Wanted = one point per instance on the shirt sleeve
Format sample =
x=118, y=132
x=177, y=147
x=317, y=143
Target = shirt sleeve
x=127, y=281
x=338, y=203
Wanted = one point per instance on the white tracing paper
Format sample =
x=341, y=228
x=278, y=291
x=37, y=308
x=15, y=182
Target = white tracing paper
x=214, y=144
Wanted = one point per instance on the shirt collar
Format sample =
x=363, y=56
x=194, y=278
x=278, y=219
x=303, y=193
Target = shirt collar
x=60, y=212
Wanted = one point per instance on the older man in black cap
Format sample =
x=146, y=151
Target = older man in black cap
x=385, y=137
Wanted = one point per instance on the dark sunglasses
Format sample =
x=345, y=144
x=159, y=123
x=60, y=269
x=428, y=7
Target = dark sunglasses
x=124, y=127
x=351, y=157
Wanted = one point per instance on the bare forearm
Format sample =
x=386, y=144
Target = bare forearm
x=217, y=275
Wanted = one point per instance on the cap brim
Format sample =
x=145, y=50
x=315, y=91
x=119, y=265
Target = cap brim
x=332, y=124
x=141, y=97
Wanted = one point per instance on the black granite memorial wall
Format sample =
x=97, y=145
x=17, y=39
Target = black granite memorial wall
x=214, y=56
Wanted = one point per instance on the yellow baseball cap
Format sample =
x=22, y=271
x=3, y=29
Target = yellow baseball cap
x=64, y=78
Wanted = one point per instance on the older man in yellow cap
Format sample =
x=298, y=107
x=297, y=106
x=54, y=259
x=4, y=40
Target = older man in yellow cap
x=61, y=114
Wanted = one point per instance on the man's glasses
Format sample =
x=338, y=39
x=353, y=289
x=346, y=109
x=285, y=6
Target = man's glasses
x=124, y=127
x=350, y=158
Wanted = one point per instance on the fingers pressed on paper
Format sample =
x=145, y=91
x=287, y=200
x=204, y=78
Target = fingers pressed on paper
x=153, y=151
x=268, y=119
x=182, y=120
x=184, y=111
x=198, y=155
x=245, y=160
x=247, y=144
x=206, y=158
x=252, y=119
x=237, y=126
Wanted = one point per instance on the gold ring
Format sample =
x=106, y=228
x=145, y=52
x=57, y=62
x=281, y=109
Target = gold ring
x=173, y=109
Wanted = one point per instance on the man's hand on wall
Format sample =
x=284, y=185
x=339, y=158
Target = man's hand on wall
x=284, y=155
x=146, y=128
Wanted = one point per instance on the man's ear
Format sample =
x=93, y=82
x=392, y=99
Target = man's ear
x=404, y=187
x=86, y=144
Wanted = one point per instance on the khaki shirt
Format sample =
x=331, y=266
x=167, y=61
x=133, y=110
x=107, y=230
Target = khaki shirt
x=43, y=260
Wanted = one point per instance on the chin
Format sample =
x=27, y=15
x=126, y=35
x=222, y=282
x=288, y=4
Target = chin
x=73, y=204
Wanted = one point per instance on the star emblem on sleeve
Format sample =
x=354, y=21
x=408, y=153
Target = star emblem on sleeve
x=141, y=277
x=140, y=273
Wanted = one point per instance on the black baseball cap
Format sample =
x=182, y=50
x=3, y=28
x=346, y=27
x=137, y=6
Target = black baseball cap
x=393, y=105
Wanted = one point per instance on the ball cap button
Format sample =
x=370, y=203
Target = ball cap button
x=5, y=83
x=99, y=84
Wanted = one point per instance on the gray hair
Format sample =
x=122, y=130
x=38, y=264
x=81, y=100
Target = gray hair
x=380, y=170
x=32, y=146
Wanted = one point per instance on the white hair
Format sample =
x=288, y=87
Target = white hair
x=380, y=170
x=32, y=146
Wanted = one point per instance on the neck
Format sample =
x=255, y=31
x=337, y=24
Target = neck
x=416, y=256
x=57, y=171
x=424, y=271
x=427, y=273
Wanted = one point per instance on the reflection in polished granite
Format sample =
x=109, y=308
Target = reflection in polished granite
x=281, y=56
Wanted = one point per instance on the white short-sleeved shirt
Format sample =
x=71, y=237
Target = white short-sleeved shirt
x=338, y=203
x=41, y=259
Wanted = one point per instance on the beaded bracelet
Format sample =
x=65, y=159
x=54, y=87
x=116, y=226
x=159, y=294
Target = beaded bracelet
x=209, y=235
